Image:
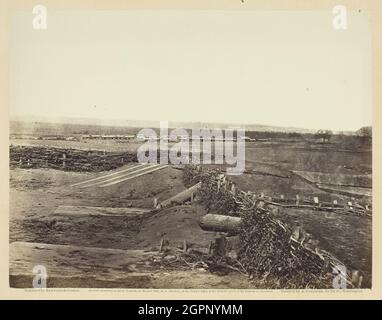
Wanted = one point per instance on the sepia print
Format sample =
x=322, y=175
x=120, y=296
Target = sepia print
x=190, y=149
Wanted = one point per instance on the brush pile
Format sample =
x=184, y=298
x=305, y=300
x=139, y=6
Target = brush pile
x=269, y=249
x=67, y=159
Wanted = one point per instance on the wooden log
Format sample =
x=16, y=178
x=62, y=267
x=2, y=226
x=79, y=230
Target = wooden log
x=181, y=197
x=220, y=223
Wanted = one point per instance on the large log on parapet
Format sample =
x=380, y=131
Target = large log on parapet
x=220, y=223
x=181, y=197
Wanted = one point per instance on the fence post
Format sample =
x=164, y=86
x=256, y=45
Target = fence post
x=161, y=244
x=233, y=189
x=220, y=246
x=210, y=246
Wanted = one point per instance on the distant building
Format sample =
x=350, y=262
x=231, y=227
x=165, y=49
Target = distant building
x=91, y=136
x=143, y=137
x=108, y=136
x=117, y=137
x=51, y=138
x=246, y=138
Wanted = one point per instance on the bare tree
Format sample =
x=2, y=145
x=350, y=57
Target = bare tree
x=324, y=135
x=365, y=132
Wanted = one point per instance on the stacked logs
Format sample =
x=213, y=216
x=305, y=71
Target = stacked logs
x=67, y=159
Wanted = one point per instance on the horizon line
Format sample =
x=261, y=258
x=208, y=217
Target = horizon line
x=108, y=122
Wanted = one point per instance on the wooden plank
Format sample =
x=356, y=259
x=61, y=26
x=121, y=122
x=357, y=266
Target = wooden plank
x=108, y=180
x=151, y=170
x=67, y=262
x=181, y=197
x=99, y=211
x=106, y=176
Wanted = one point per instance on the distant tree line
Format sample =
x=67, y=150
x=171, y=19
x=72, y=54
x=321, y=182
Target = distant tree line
x=365, y=132
x=324, y=135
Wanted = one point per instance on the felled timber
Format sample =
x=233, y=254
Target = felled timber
x=99, y=211
x=68, y=159
x=267, y=247
x=181, y=197
x=220, y=223
x=72, y=266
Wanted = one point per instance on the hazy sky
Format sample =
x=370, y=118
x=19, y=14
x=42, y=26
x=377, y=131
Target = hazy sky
x=274, y=68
